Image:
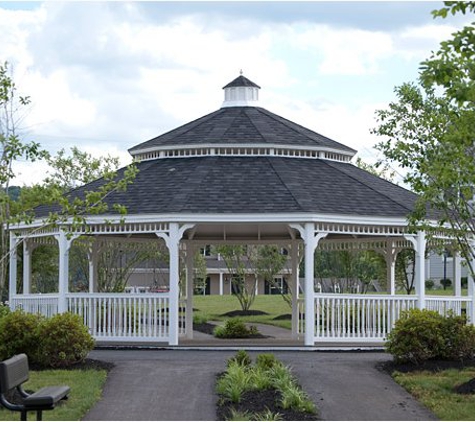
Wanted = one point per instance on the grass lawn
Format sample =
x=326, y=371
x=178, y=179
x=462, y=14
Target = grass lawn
x=213, y=307
x=86, y=388
x=435, y=391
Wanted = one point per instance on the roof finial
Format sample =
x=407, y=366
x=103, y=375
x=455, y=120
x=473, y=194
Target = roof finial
x=240, y=72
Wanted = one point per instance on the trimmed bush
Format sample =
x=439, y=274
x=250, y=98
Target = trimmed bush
x=18, y=334
x=459, y=338
x=464, y=282
x=430, y=284
x=421, y=335
x=4, y=310
x=446, y=282
x=64, y=341
x=235, y=328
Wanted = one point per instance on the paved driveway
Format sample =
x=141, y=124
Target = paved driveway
x=179, y=385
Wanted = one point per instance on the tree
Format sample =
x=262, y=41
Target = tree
x=239, y=260
x=11, y=149
x=429, y=132
x=405, y=274
x=67, y=172
x=270, y=262
x=200, y=272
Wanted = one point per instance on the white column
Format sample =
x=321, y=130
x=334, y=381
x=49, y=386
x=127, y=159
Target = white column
x=13, y=267
x=420, y=268
x=172, y=240
x=221, y=291
x=27, y=250
x=190, y=252
x=294, y=287
x=311, y=242
x=457, y=273
x=64, y=243
x=470, y=286
x=63, y=284
x=93, y=257
x=391, y=255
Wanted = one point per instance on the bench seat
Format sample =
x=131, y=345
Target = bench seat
x=46, y=397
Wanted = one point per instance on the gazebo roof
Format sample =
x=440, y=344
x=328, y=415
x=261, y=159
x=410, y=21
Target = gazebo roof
x=237, y=185
x=252, y=126
x=247, y=160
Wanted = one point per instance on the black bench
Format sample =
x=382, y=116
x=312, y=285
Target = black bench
x=13, y=373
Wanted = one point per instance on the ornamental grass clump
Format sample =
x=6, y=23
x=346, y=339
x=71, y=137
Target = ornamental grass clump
x=265, y=390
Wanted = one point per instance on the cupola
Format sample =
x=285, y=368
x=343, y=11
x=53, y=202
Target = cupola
x=241, y=92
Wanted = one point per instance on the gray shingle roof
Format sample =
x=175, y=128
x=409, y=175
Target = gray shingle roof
x=242, y=125
x=241, y=81
x=234, y=185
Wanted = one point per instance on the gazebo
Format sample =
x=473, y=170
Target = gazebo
x=241, y=174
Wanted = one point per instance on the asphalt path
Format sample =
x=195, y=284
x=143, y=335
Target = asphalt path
x=179, y=385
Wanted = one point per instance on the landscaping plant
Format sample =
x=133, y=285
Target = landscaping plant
x=263, y=391
x=65, y=341
x=235, y=328
x=19, y=334
x=56, y=342
x=421, y=335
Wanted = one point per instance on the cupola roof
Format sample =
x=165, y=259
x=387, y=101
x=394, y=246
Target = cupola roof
x=242, y=128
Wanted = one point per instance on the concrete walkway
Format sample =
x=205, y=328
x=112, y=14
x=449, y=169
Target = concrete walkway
x=179, y=385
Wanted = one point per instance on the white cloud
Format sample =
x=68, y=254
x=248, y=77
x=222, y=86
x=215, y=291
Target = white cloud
x=344, y=51
x=105, y=76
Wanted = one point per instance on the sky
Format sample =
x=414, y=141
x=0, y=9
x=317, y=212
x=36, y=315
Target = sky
x=105, y=76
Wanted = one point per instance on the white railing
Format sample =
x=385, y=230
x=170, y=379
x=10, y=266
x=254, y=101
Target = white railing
x=43, y=304
x=358, y=317
x=119, y=317
x=112, y=316
x=443, y=304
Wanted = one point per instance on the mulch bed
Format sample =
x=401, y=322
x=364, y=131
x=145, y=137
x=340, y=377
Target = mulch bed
x=240, y=313
x=283, y=317
x=208, y=328
x=261, y=401
x=434, y=366
x=205, y=327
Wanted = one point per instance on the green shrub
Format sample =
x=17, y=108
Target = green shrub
x=235, y=328
x=459, y=338
x=421, y=335
x=64, y=341
x=446, y=282
x=19, y=334
x=4, y=310
x=416, y=336
x=430, y=284
x=464, y=282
